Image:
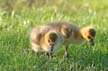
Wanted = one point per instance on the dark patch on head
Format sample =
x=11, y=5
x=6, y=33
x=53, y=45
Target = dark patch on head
x=92, y=32
x=53, y=37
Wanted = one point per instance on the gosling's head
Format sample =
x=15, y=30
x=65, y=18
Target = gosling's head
x=88, y=33
x=51, y=38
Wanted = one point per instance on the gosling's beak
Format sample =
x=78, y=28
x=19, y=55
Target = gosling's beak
x=91, y=42
x=52, y=47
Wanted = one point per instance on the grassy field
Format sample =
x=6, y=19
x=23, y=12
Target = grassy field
x=15, y=51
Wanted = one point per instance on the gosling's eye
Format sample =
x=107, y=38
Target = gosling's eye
x=89, y=37
x=49, y=41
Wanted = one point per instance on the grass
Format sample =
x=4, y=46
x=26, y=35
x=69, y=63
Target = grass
x=15, y=51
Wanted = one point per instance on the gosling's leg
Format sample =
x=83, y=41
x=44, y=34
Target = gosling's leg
x=66, y=51
x=49, y=54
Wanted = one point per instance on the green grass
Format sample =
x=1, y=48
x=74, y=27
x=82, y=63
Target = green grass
x=15, y=51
